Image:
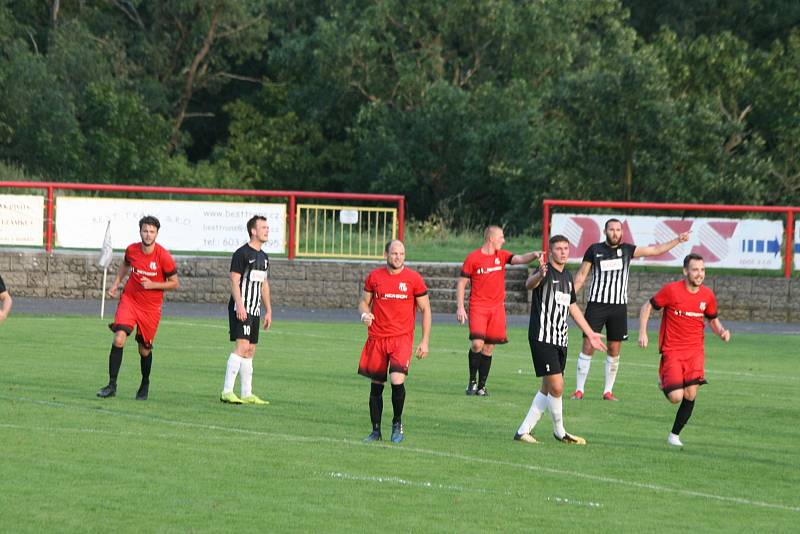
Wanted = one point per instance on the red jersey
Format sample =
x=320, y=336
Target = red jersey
x=156, y=266
x=487, y=275
x=683, y=318
x=394, y=301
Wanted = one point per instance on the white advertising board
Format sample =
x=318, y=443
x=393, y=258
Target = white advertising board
x=732, y=243
x=22, y=220
x=185, y=225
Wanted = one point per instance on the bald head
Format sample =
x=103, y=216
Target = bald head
x=395, y=254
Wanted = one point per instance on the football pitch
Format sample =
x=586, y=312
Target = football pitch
x=182, y=461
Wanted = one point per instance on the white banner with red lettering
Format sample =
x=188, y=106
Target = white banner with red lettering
x=22, y=220
x=733, y=243
x=185, y=225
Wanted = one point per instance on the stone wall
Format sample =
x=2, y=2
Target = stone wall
x=337, y=284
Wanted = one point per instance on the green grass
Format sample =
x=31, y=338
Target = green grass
x=182, y=461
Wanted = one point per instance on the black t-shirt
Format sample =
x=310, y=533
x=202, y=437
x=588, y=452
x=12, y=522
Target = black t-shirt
x=253, y=265
x=610, y=268
x=550, y=303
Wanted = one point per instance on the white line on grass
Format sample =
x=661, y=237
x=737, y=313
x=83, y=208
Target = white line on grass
x=403, y=482
x=428, y=452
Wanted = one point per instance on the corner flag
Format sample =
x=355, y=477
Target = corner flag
x=106, y=251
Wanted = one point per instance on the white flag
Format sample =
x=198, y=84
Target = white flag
x=106, y=252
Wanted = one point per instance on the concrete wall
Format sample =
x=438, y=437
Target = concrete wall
x=337, y=284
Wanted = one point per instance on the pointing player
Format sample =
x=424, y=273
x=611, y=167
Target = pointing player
x=388, y=308
x=687, y=304
x=249, y=288
x=552, y=299
x=610, y=262
x=152, y=271
x=485, y=270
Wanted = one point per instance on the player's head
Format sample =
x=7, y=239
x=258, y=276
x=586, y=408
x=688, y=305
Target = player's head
x=493, y=235
x=694, y=268
x=395, y=254
x=559, y=249
x=148, y=229
x=613, y=231
x=257, y=228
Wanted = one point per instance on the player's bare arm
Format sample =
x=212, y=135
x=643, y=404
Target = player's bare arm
x=5, y=305
x=536, y=278
x=123, y=271
x=365, y=308
x=265, y=299
x=461, y=289
x=644, y=316
x=169, y=284
x=424, y=306
x=525, y=259
x=595, y=338
x=581, y=275
x=655, y=250
x=723, y=333
x=236, y=293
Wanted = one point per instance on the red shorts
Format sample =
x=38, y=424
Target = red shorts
x=129, y=315
x=382, y=352
x=488, y=324
x=678, y=370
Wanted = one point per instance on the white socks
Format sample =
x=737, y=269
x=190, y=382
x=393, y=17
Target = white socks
x=612, y=364
x=234, y=363
x=246, y=376
x=556, y=414
x=538, y=407
x=584, y=362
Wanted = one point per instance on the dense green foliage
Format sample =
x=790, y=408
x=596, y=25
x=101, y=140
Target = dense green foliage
x=487, y=107
x=184, y=462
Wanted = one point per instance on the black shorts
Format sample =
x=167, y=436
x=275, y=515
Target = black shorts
x=613, y=316
x=548, y=359
x=243, y=329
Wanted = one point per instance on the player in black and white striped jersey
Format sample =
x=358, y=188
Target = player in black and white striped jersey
x=249, y=290
x=553, y=298
x=607, y=306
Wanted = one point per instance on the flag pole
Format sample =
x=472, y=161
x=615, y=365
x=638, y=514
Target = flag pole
x=106, y=254
x=103, y=297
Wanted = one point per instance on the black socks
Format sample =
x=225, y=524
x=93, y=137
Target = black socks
x=114, y=363
x=486, y=364
x=683, y=415
x=146, y=364
x=474, y=365
x=376, y=405
x=398, y=400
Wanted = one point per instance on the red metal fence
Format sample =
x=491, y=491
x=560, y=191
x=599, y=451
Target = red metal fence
x=789, y=211
x=292, y=196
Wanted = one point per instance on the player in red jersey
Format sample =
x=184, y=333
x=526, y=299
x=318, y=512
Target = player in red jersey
x=485, y=270
x=388, y=308
x=152, y=271
x=687, y=304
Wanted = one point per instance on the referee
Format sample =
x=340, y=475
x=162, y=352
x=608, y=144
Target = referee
x=610, y=263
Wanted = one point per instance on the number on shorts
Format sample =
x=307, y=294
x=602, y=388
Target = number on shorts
x=246, y=329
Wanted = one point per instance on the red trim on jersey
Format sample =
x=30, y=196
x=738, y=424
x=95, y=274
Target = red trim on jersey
x=487, y=276
x=394, y=302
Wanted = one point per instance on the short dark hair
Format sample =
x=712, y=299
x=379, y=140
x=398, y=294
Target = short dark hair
x=690, y=257
x=252, y=223
x=149, y=219
x=609, y=222
x=389, y=245
x=558, y=238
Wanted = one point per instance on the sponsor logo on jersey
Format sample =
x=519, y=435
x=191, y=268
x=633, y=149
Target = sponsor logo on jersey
x=403, y=287
x=497, y=261
x=487, y=270
x=702, y=306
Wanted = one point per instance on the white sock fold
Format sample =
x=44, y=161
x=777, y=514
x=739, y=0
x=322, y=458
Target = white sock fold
x=584, y=362
x=234, y=362
x=557, y=416
x=246, y=377
x=538, y=407
x=612, y=364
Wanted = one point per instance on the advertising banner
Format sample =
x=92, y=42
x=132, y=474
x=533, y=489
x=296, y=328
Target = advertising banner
x=22, y=220
x=185, y=225
x=732, y=243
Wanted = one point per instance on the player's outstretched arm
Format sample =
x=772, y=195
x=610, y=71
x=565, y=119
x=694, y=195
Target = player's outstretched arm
x=655, y=250
x=265, y=299
x=723, y=333
x=365, y=308
x=461, y=289
x=424, y=305
x=580, y=276
x=644, y=316
x=595, y=338
x=536, y=278
x=525, y=259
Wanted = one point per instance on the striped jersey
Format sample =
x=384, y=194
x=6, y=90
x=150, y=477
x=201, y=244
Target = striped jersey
x=610, y=269
x=253, y=265
x=550, y=303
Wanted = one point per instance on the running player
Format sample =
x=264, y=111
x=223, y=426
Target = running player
x=249, y=288
x=610, y=263
x=485, y=270
x=687, y=304
x=152, y=271
x=388, y=308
